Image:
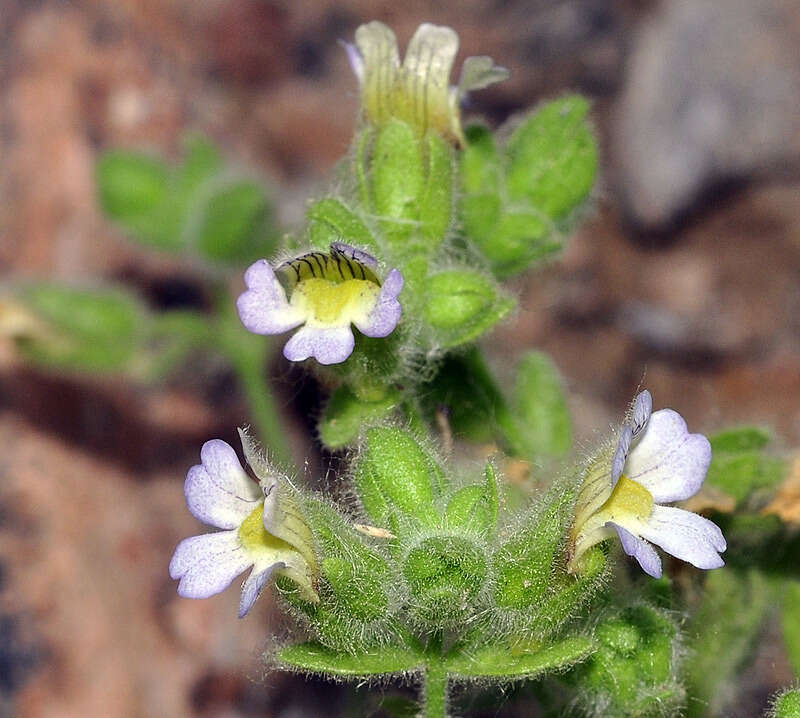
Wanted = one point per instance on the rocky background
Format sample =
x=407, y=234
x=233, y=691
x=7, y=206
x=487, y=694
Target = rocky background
x=686, y=275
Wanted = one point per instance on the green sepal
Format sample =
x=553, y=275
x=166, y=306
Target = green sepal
x=790, y=621
x=356, y=574
x=462, y=304
x=232, y=224
x=347, y=413
x=523, y=566
x=787, y=705
x=541, y=406
x=475, y=508
x=83, y=329
x=397, y=179
x=567, y=593
x=444, y=575
x=395, y=475
x=436, y=201
x=553, y=157
x=330, y=220
x=510, y=663
x=313, y=657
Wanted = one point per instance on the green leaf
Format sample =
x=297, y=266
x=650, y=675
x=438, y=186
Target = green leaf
x=734, y=607
x=346, y=413
x=553, y=158
x=135, y=190
x=634, y=669
x=745, y=438
x=231, y=223
x=475, y=507
x=480, y=162
x=463, y=304
x=741, y=474
x=787, y=705
x=394, y=473
x=89, y=330
x=541, y=406
x=475, y=406
x=316, y=658
x=131, y=184
x=506, y=663
x=332, y=221
x=790, y=621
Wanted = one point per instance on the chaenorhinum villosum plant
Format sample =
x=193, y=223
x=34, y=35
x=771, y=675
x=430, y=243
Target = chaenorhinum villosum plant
x=438, y=570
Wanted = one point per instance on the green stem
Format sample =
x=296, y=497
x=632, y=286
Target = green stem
x=263, y=409
x=248, y=353
x=434, y=695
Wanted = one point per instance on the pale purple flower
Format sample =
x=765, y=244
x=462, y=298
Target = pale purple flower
x=326, y=293
x=418, y=90
x=656, y=461
x=220, y=493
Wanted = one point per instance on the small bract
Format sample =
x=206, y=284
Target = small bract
x=258, y=531
x=418, y=91
x=656, y=461
x=325, y=292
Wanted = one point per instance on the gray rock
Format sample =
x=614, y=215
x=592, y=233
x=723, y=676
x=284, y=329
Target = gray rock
x=712, y=94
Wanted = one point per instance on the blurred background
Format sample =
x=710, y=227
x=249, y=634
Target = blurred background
x=685, y=275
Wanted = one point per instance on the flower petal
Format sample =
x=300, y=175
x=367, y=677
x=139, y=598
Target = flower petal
x=426, y=74
x=207, y=564
x=218, y=491
x=252, y=587
x=642, y=551
x=621, y=454
x=352, y=253
x=263, y=308
x=355, y=59
x=283, y=518
x=685, y=535
x=381, y=60
x=640, y=413
x=382, y=320
x=668, y=461
x=329, y=345
x=479, y=72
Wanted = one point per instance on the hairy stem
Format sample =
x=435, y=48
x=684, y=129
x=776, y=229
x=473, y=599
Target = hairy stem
x=434, y=695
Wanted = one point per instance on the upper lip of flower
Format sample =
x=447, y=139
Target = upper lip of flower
x=327, y=292
x=656, y=461
x=417, y=91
